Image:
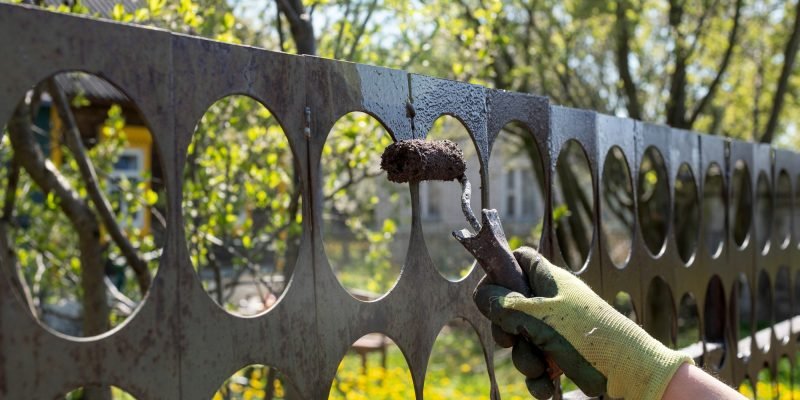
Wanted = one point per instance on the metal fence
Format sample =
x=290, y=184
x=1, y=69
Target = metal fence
x=179, y=344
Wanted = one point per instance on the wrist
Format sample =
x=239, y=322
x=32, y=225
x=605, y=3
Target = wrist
x=643, y=366
x=690, y=382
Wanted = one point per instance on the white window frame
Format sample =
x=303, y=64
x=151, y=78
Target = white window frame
x=429, y=206
x=514, y=193
x=132, y=175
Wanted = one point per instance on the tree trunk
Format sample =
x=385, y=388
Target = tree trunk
x=622, y=53
x=300, y=25
x=30, y=157
x=789, y=56
x=101, y=203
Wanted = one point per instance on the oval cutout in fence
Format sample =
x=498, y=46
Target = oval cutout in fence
x=653, y=200
x=92, y=392
x=573, y=205
x=796, y=214
x=616, y=203
x=688, y=322
x=87, y=249
x=510, y=381
x=516, y=176
x=440, y=204
x=257, y=382
x=796, y=306
x=764, y=309
x=686, y=216
x=746, y=389
x=366, y=218
x=660, y=318
x=763, y=213
x=624, y=304
x=783, y=210
x=373, y=368
x=242, y=206
x=784, y=378
x=457, y=366
x=741, y=317
x=783, y=304
x=714, y=322
x=741, y=204
x=714, y=210
x=795, y=382
x=766, y=386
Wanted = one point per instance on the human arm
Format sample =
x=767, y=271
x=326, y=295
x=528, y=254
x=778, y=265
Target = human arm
x=690, y=382
x=601, y=350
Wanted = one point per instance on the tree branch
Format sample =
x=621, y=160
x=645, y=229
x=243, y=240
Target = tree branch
x=712, y=88
x=676, y=105
x=337, y=48
x=279, y=26
x=789, y=56
x=8, y=259
x=623, y=51
x=300, y=25
x=30, y=157
x=11, y=191
x=103, y=207
x=701, y=24
x=361, y=29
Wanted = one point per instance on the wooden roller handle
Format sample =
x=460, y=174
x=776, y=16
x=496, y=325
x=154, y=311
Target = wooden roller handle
x=490, y=247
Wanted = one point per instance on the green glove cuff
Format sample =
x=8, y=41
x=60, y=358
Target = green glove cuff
x=636, y=366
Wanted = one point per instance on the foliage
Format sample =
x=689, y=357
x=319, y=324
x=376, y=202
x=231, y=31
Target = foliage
x=766, y=388
x=43, y=236
x=570, y=51
x=241, y=202
x=254, y=382
x=361, y=205
x=456, y=369
x=392, y=382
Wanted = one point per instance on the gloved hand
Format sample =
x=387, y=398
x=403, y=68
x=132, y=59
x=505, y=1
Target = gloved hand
x=601, y=350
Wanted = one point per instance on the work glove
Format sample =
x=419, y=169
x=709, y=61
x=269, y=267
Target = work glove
x=598, y=348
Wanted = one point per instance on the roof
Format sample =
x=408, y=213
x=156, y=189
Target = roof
x=102, y=7
x=94, y=88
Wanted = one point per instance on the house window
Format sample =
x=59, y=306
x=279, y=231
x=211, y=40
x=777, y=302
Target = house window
x=129, y=166
x=513, y=193
x=429, y=194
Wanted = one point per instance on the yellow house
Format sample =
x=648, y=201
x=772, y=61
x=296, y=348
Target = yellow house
x=97, y=96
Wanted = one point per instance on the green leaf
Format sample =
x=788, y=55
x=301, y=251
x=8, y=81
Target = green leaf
x=389, y=226
x=118, y=12
x=561, y=212
x=141, y=14
x=155, y=6
x=228, y=20
x=151, y=197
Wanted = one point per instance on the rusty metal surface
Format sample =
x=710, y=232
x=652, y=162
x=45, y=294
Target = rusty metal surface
x=181, y=345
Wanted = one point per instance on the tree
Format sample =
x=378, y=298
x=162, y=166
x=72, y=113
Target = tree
x=718, y=67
